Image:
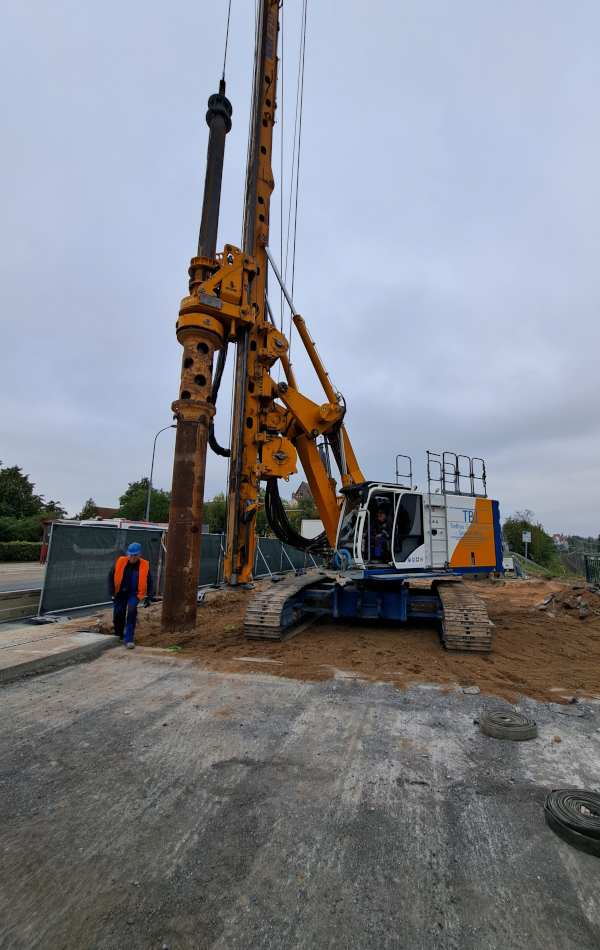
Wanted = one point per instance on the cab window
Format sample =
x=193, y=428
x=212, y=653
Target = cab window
x=408, y=534
x=346, y=535
x=376, y=542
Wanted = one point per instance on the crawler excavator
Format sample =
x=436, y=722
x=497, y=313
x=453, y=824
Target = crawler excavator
x=391, y=552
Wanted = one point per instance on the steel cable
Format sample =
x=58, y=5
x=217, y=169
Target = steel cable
x=226, y=39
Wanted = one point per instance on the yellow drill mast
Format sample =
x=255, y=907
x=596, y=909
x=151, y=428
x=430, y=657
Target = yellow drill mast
x=273, y=423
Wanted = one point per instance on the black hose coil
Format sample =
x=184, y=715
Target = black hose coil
x=574, y=815
x=505, y=723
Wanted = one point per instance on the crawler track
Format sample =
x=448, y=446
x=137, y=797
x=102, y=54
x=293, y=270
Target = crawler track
x=274, y=615
x=466, y=625
x=277, y=613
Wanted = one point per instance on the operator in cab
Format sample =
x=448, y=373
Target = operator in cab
x=129, y=582
x=381, y=533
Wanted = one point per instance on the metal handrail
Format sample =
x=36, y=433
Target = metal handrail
x=408, y=474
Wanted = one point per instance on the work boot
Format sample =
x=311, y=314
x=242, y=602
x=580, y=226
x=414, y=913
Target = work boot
x=130, y=645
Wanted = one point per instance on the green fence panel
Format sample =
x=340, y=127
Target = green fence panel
x=273, y=557
x=592, y=568
x=80, y=557
x=267, y=557
x=211, y=562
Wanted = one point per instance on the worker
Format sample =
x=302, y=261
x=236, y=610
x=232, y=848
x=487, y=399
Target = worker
x=381, y=532
x=129, y=582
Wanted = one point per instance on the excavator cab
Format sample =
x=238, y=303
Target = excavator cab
x=382, y=526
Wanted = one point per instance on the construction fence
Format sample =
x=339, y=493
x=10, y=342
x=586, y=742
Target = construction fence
x=592, y=568
x=80, y=558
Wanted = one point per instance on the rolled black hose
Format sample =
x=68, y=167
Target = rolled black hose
x=505, y=723
x=216, y=383
x=282, y=529
x=574, y=815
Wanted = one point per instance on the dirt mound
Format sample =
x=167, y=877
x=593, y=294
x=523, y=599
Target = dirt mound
x=545, y=644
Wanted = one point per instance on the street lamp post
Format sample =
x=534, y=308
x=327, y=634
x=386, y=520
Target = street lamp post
x=152, y=468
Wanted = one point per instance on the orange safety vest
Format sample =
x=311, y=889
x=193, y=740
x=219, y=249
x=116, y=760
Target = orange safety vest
x=143, y=567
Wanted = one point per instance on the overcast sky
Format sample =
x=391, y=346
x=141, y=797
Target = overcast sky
x=448, y=233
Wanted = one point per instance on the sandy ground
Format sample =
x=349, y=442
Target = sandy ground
x=547, y=652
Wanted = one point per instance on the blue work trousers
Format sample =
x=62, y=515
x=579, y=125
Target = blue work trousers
x=125, y=609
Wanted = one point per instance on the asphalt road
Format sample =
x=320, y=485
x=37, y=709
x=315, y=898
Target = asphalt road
x=21, y=576
x=146, y=803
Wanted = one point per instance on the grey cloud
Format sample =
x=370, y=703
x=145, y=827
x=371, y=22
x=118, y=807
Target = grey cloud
x=448, y=233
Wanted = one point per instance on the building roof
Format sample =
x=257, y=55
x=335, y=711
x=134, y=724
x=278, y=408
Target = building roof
x=303, y=492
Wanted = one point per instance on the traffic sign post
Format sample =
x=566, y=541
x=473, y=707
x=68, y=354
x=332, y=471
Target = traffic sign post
x=527, y=540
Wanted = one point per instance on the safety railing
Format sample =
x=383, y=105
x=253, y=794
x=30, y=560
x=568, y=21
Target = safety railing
x=456, y=474
x=404, y=475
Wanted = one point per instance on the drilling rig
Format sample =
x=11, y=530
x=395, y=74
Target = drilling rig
x=377, y=536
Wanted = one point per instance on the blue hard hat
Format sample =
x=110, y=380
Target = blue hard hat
x=134, y=548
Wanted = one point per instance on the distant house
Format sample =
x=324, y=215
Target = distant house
x=302, y=493
x=107, y=512
x=559, y=541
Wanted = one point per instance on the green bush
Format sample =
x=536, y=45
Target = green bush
x=21, y=529
x=540, y=549
x=19, y=551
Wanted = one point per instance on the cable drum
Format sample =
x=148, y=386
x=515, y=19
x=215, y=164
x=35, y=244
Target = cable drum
x=574, y=815
x=507, y=724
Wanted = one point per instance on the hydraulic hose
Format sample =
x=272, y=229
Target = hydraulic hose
x=282, y=529
x=216, y=383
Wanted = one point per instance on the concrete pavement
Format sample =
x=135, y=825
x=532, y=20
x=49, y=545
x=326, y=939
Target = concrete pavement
x=27, y=648
x=146, y=802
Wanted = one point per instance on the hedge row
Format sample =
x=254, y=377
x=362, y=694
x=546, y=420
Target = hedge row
x=20, y=551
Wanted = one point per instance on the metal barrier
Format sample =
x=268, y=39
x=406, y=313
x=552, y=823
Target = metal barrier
x=80, y=557
x=592, y=568
x=273, y=557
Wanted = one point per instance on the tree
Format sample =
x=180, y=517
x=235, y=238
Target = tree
x=215, y=513
x=17, y=499
x=89, y=510
x=541, y=549
x=262, y=526
x=21, y=510
x=132, y=503
x=54, y=509
x=305, y=510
